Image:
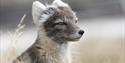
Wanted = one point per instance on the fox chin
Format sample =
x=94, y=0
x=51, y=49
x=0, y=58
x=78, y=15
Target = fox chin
x=57, y=25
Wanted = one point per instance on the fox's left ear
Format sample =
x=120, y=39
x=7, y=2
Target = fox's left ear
x=60, y=3
x=37, y=9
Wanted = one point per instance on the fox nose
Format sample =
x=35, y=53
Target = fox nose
x=81, y=32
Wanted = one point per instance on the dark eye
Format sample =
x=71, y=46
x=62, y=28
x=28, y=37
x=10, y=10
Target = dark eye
x=76, y=21
x=61, y=23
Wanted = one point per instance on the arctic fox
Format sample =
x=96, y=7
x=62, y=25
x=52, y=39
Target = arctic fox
x=57, y=25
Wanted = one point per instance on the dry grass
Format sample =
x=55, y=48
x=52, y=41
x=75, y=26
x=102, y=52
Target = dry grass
x=93, y=51
x=13, y=39
x=99, y=44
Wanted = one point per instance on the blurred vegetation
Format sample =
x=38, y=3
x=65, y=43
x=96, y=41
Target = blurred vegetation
x=99, y=44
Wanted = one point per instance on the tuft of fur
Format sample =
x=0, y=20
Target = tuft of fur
x=56, y=26
x=59, y=3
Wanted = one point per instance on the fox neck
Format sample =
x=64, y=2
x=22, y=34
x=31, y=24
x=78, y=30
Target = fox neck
x=55, y=52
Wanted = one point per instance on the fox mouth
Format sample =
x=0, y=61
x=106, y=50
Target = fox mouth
x=74, y=39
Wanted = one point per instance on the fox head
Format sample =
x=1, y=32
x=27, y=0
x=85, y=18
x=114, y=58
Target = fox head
x=58, y=20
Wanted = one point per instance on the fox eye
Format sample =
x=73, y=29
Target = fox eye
x=61, y=23
x=76, y=21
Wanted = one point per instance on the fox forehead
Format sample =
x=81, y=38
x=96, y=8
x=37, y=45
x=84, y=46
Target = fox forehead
x=68, y=12
x=60, y=12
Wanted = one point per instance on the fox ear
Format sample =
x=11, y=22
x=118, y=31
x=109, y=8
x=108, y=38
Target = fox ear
x=37, y=9
x=59, y=3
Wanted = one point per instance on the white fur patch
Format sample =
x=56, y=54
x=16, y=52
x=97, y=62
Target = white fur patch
x=37, y=8
x=43, y=18
x=59, y=3
x=38, y=4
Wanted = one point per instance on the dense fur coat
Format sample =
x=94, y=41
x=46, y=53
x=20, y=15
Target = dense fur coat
x=57, y=24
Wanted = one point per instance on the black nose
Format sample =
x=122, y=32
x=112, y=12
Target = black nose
x=81, y=32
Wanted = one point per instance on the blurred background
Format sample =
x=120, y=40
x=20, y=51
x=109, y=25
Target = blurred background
x=102, y=20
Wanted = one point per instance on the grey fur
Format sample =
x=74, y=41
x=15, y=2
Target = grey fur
x=53, y=35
